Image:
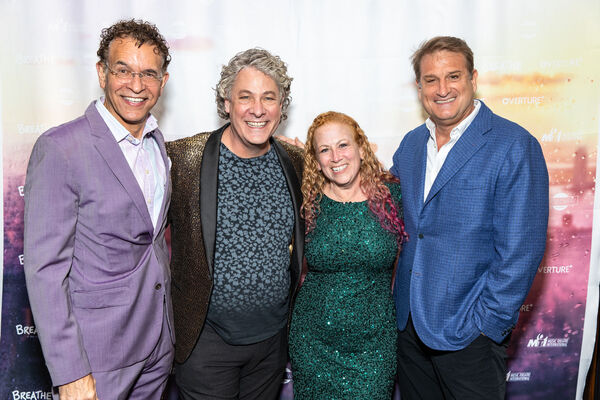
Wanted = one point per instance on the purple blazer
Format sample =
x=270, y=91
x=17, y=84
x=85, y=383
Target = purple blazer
x=97, y=271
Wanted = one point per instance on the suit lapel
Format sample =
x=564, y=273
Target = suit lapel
x=420, y=162
x=167, y=193
x=468, y=144
x=296, y=195
x=209, y=173
x=110, y=151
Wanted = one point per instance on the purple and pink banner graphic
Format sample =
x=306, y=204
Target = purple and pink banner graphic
x=538, y=66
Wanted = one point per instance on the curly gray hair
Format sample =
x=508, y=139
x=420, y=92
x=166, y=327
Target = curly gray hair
x=264, y=62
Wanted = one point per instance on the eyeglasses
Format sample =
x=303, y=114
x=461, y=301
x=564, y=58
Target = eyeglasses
x=125, y=75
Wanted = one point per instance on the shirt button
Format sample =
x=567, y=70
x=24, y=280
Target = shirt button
x=157, y=286
x=421, y=236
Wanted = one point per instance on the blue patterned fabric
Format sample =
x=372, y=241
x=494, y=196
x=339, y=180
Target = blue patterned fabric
x=477, y=240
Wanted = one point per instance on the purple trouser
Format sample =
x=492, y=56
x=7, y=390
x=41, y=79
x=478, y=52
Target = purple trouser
x=144, y=380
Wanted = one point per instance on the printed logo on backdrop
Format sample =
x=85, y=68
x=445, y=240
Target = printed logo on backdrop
x=35, y=59
x=31, y=395
x=555, y=269
x=526, y=308
x=32, y=129
x=25, y=330
x=561, y=64
x=524, y=376
x=556, y=135
x=560, y=201
x=25, y=326
x=545, y=341
x=519, y=100
x=62, y=25
x=500, y=65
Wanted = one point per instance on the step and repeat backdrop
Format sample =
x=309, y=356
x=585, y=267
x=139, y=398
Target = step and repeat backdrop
x=538, y=65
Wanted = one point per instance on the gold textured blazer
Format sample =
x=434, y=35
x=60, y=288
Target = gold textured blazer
x=193, y=221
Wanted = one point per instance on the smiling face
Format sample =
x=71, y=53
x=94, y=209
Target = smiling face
x=338, y=154
x=131, y=100
x=446, y=88
x=254, y=108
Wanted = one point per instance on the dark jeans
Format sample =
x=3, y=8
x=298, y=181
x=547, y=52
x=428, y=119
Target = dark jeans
x=476, y=372
x=218, y=370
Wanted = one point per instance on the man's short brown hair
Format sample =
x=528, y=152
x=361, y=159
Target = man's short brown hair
x=439, y=43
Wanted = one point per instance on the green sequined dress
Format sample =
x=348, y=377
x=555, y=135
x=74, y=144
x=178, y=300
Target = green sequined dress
x=343, y=331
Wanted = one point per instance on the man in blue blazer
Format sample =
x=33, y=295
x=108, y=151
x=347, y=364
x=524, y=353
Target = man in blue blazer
x=475, y=193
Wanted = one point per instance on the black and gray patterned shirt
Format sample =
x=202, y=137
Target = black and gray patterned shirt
x=255, y=221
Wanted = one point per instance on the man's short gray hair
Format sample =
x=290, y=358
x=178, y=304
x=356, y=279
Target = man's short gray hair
x=262, y=61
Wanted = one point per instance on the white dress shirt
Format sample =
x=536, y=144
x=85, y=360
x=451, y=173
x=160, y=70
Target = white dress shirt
x=435, y=157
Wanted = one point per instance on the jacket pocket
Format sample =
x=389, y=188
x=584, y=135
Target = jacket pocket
x=101, y=298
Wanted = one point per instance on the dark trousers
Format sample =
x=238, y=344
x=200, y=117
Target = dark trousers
x=218, y=370
x=476, y=372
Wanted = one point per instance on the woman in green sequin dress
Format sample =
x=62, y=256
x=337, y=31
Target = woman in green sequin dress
x=343, y=331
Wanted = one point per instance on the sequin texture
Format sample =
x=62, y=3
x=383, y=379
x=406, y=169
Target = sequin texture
x=343, y=332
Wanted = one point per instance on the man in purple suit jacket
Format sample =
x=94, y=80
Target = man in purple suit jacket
x=96, y=260
x=475, y=197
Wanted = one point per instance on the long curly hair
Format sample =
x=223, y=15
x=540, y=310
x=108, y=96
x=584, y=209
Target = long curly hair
x=373, y=178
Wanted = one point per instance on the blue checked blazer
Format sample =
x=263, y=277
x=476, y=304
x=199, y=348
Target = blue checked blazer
x=475, y=243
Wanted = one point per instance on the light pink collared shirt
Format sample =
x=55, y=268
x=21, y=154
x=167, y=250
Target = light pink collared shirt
x=131, y=147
